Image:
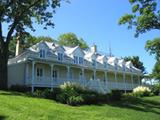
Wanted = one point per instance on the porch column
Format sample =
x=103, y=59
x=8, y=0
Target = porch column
x=83, y=76
x=139, y=80
x=106, y=77
x=115, y=76
x=51, y=77
x=132, y=81
x=106, y=80
x=33, y=69
x=124, y=80
x=94, y=74
x=26, y=74
x=68, y=73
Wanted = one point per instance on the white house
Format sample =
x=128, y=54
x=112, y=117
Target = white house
x=48, y=64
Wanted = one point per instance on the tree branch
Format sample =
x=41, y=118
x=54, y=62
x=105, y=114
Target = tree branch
x=16, y=20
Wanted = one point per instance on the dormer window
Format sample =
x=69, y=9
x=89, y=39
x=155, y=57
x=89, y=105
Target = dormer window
x=94, y=63
x=42, y=53
x=115, y=66
x=130, y=68
x=60, y=57
x=75, y=60
x=81, y=60
x=123, y=66
x=105, y=64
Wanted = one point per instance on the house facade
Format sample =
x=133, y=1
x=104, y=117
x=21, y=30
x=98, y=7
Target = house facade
x=48, y=64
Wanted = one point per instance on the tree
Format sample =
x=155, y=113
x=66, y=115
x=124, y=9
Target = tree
x=70, y=39
x=136, y=62
x=153, y=47
x=156, y=71
x=145, y=16
x=27, y=42
x=18, y=15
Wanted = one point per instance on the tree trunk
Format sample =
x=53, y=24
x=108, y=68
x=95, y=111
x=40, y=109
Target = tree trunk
x=3, y=66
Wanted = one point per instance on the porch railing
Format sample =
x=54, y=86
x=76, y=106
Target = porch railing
x=102, y=86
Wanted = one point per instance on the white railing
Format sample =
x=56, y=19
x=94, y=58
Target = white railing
x=101, y=86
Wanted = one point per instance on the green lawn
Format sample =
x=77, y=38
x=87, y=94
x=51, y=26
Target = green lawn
x=19, y=107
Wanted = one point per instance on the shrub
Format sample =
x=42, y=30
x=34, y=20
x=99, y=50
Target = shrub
x=116, y=95
x=156, y=89
x=141, y=91
x=75, y=100
x=19, y=88
x=69, y=94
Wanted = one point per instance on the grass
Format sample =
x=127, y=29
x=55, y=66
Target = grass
x=17, y=106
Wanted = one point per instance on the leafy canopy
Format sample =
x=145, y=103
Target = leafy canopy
x=153, y=47
x=145, y=16
x=19, y=15
x=70, y=39
x=136, y=62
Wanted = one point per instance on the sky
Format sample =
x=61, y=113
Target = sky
x=96, y=21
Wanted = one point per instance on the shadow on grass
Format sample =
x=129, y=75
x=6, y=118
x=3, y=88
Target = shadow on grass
x=138, y=104
x=14, y=93
x=2, y=117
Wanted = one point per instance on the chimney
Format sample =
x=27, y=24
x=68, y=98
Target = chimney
x=17, y=46
x=94, y=48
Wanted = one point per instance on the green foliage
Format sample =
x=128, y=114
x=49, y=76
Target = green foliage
x=144, y=17
x=18, y=16
x=116, y=95
x=153, y=47
x=70, y=39
x=75, y=100
x=136, y=62
x=156, y=89
x=156, y=71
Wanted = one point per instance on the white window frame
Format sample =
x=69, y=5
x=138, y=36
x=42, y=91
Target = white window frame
x=75, y=60
x=94, y=63
x=39, y=73
x=60, y=56
x=81, y=60
x=42, y=53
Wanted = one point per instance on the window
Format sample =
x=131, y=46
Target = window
x=75, y=60
x=130, y=68
x=81, y=60
x=105, y=64
x=123, y=67
x=54, y=74
x=93, y=62
x=116, y=67
x=42, y=53
x=60, y=56
x=39, y=72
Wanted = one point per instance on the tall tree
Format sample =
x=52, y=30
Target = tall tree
x=156, y=71
x=18, y=15
x=136, y=62
x=70, y=39
x=145, y=16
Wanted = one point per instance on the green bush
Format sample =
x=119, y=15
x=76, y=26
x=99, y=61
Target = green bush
x=156, y=89
x=115, y=95
x=141, y=91
x=19, y=88
x=75, y=100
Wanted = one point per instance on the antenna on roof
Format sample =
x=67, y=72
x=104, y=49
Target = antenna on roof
x=110, y=50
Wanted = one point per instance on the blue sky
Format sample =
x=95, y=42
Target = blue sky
x=96, y=21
